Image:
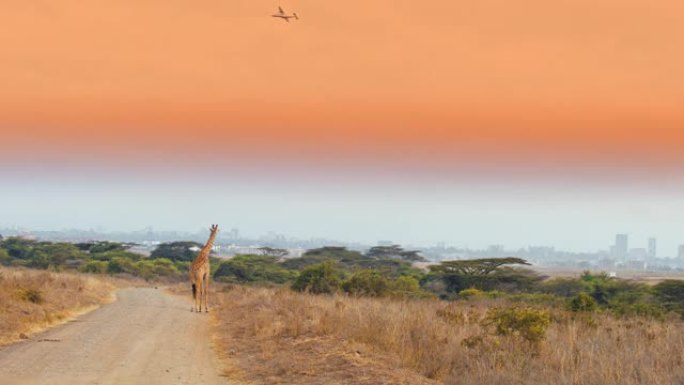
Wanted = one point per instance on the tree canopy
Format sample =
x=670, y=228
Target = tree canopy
x=177, y=251
x=484, y=266
x=484, y=274
x=394, y=252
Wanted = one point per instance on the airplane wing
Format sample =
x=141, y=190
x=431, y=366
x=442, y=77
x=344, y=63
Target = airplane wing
x=280, y=9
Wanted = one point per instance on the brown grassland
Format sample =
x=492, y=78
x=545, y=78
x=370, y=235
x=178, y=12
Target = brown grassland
x=277, y=336
x=34, y=300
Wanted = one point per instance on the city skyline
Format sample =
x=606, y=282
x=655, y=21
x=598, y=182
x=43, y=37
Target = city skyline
x=274, y=238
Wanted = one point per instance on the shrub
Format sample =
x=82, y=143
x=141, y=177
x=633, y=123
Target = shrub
x=564, y=287
x=671, y=294
x=582, y=302
x=31, y=295
x=367, y=283
x=407, y=286
x=318, y=279
x=525, y=322
x=164, y=267
x=97, y=267
x=253, y=268
x=471, y=293
x=642, y=309
x=121, y=265
x=5, y=258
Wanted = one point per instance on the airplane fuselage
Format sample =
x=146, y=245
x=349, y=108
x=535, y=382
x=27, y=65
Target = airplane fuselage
x=286, y=17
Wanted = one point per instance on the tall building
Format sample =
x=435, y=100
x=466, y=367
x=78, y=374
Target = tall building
x=680, y=254
x=621, y=246
x=651, y=248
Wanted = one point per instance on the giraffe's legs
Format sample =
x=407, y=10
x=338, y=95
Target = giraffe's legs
x=194, y=295
x=198, y=298
x=206, y=292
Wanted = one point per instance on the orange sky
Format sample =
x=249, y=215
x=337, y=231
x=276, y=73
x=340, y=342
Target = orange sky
x=567, y=82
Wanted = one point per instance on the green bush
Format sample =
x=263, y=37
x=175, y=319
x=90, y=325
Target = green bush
x=18, y=247
x=164, y=267
x=408, y=286
x=582, y=302
x=367, y=283
x=563, y=287
x=253, y=268
x=640, y=309
x=471, y=293
x=605, y=289
x=670, y=293
x=96, y=267
x=5, y=258
x=121, y=265
x=38, y=259
x=525, y=322
x=320, y=278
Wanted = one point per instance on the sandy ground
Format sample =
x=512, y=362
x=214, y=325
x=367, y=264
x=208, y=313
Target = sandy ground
x=146, y=337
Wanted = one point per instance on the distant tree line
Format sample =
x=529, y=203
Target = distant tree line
x=381, y=271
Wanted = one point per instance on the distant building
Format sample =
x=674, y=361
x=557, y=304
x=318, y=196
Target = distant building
x=234, y=233
x=680, y=254
x=651, y=248
x=495, y=250
x=639, y=253
x=621, y=246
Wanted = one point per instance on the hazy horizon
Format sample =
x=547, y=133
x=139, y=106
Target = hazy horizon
x=466, y=213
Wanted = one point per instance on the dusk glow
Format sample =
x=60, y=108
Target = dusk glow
x=347, y=114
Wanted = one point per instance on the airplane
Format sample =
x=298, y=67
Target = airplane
x=281, y=14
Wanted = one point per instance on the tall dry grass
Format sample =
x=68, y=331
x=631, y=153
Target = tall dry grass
x=443, y=342
x=32, y=300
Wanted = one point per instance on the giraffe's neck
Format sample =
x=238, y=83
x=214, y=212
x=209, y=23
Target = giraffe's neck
x=210, y=243
x=204, y=253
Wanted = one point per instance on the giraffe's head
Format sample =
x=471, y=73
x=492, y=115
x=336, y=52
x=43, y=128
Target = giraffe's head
x=213, y=229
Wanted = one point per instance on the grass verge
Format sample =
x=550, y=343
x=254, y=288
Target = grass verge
x=276, y=336
x=33, y=300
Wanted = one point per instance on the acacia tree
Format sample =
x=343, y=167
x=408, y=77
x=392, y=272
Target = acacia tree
x=177, y=251
x=394, y=252
x=484, y=274
x=483, y=266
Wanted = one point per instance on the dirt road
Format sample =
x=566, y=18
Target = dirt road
x=145, y=337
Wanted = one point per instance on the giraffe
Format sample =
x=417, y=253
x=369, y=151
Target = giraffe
x=199, y=273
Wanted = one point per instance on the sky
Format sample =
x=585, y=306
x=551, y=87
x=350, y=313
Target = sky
x=470, y=123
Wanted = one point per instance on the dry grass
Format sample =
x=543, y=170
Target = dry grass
x=33, y=300
x=271, y=336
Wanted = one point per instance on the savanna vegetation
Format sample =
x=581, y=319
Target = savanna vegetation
x=169, y=261
x=374, y=317
x=32, y=300
x=384, y=271
x=356, y=318
x=277, y=335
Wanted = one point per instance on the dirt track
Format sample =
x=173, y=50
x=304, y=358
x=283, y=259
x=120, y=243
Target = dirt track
x=145, y=337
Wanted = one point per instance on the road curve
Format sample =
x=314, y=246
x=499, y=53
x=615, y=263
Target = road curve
x=146, y=337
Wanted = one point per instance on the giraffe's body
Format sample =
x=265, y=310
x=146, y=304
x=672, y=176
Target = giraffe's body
x=199, y=273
